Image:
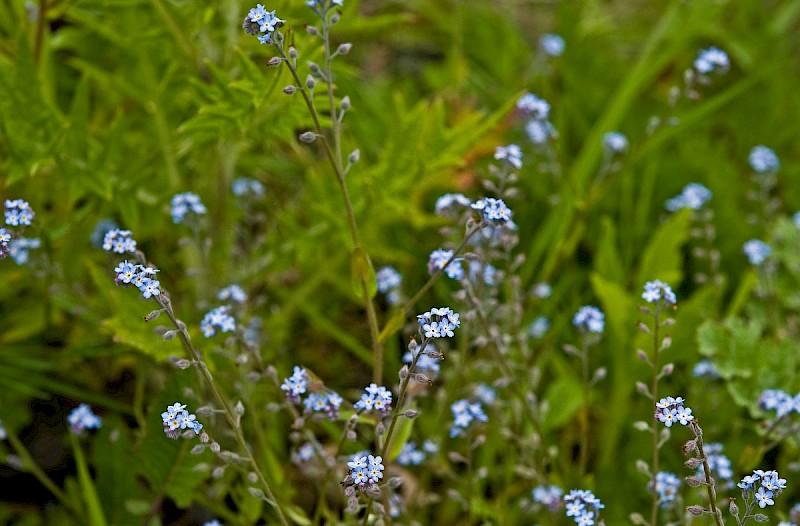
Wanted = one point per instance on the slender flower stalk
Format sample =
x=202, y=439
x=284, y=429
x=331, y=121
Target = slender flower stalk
x=694, y=426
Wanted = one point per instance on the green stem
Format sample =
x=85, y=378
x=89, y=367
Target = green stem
x=654, y=426
x=40, y=475
x=712, y=494
x=230, y=415
x=584, y=452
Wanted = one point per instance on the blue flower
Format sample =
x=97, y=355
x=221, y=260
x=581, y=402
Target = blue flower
x=365, y=471
x=464, y=413
x=438, y=323
x=667, y=486
x=233, y=293
x=437, y=260
x=756, y=251
x=711, y=60
x=19, y=248
x=82, y=418
x=261, y=23
x=719, y=464
x=327, y=402
x=670, y=410
x=705, y=369
x=388, y=278
x=410, y=455
x=589, y=319
x=485, y=272
x=304, y=453
x=764, y=498
x=295, y=385
x=177, y=418
x=215, y=522
x=139, y=276
x=779, y=401
x=540, y=131
x=493, y=210
x=763, y=159
x=694, y=196
x=119, y=241
x=655, y=291
x=375, y=398
x=550, y=496
x=448, y=204
x=183, y=204
x=615, y=143
x=18, y=212
x=510, y=154
x=532, y=106
x=485, y=394
x=582, y=506
x=539, y=327
x=217, y=318
x=246, y=186
x=552, y=45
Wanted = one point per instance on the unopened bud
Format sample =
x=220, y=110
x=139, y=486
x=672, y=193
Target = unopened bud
x=335, y=18
x=667, y=370
x=215, y=447
x=668, y=322
x=292, y=52
x=643, y=467
x=274, y=61
x=690, y=446
x=733, y=508
x=760, y=517
x=637, y=518
x=308, y=137
x=666, y=343
x=169, y=335
x=352, y=435
x=218, y=472
x=696, y=510
x=346, y=103
x=395, y=482
x=421, y=378
x=199, y=448
x=643, y=328
x=354, y=156
x=204, y=410
x=290, y=90
x=571, y=350
x=380, y=429
x=403, y=372
x=183, y=363
x=599, y=374
x=642, y=355
x=642, y=388
x=257, y=493
x=153, y=315
x=252, y=478
x=239, y=408
x=692, y=463
x=641, y=425
x=411, y=413
x=344, y=49
x=310, y=82
x=313, y=67
x=693, y=481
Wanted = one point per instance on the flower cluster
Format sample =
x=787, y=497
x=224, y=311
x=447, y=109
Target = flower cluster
x=655, y=291
x=19, y=248
x=771, y=486
x=552, y=45
x=550, y=496
x=711, y=60
x=763, y=159
x=464, y=413
x=485, y=272
x=234, y=293
x=217, y=318
x=295, y=385
x=779, y=401
x=119, y=241
x=375, y=398
x=450, y=204
x=493, y=210
x=439, y=323
x=756, y=251
x=589, y=319
x=176, y=417
x=539, y=129
x=719, y=464
x=705, y=369
x=5, y=238
x=261, y=23
x=667, y=486
x=583, y=506
x=247, y=186
x=615, y=143
x=327, y=402
x=539, y=327
x=18, y=212
x=82, y=418
x=143, y=278
x=693, y=196
x=182, y=204
x=670, y=410
x=365, y=471
x=411, y=455
x=437, y=260
x=510, y=154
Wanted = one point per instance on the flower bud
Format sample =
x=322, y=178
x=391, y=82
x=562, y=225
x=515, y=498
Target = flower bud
x=733, y=508
x=292, y=52
x=760, y=517
x=310, y=82
x=696, y=510
x=346, y=103
x=153, y=315
x=218, y=472
x=693, y=481
x=311, y=30
x=643, y=467
x=667, y=369
x=308, y=137
x=252, y=478
x=354, y=156
x=411, y=413
x=641, y=425
x=238, y=409
x=692, y=463
x=183, y=363
x=169, y=335
x=290, y=90
x=274, y=61
x=335, y=18
x=314, y=67
x=257, y=493
x=215, y=447
x=395, y=482
x=344, y=49
x=403, y=372
x=199, y=448
x=637, y=518
x=642, y=388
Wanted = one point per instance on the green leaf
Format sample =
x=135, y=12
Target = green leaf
x=402, y=434
x=564, y=398
x=662, y=258
x=608, y=262
x=88, y=490
x=362, y=273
